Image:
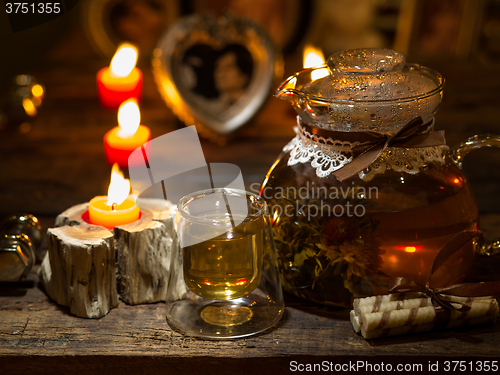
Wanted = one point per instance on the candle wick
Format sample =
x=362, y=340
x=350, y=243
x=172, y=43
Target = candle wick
x=113, y=207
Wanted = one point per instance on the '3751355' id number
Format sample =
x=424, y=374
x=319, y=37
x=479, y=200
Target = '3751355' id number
x=471, y=366
x=33, y=8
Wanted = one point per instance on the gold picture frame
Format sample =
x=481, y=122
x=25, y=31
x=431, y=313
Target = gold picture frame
x=444, y=29
x=108, y=23
x=285, y=21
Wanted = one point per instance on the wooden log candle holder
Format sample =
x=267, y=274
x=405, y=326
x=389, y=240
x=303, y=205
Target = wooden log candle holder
x=88, y=267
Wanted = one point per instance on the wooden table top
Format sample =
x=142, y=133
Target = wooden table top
x=60, y=163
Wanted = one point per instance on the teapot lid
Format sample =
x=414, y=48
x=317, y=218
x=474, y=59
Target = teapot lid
x=364, y=89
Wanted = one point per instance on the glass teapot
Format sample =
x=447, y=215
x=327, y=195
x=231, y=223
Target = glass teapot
x=368, y=190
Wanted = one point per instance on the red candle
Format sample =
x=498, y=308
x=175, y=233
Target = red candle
x=120, y=141
x=117, y=208
x=121, y=80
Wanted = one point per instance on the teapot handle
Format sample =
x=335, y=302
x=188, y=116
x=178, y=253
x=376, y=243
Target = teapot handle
x=478, y=141
x=458, y=153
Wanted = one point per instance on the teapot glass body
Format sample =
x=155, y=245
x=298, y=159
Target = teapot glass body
x=367, y=190
x=339, y=240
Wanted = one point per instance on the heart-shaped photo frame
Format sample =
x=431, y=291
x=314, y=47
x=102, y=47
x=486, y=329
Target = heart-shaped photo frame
x=216, y=73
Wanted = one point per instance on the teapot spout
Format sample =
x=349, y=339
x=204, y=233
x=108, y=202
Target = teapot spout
x=303, y=91
x=301, y=84
x=287, y=90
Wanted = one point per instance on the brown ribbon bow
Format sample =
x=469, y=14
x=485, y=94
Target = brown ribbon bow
x=412, y=135
x=403, y=284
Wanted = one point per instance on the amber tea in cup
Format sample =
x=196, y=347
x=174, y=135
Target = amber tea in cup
x=227, y=266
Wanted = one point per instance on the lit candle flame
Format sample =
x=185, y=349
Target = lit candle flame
x=119, y=187
x=124, y=60
x=313, y=57
x=129, y=118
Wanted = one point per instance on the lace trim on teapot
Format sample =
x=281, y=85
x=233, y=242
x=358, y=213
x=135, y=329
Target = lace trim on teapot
x=328, y=155
x=408, y=160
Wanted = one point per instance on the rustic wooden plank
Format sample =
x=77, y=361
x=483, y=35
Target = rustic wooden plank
x=142, y=330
